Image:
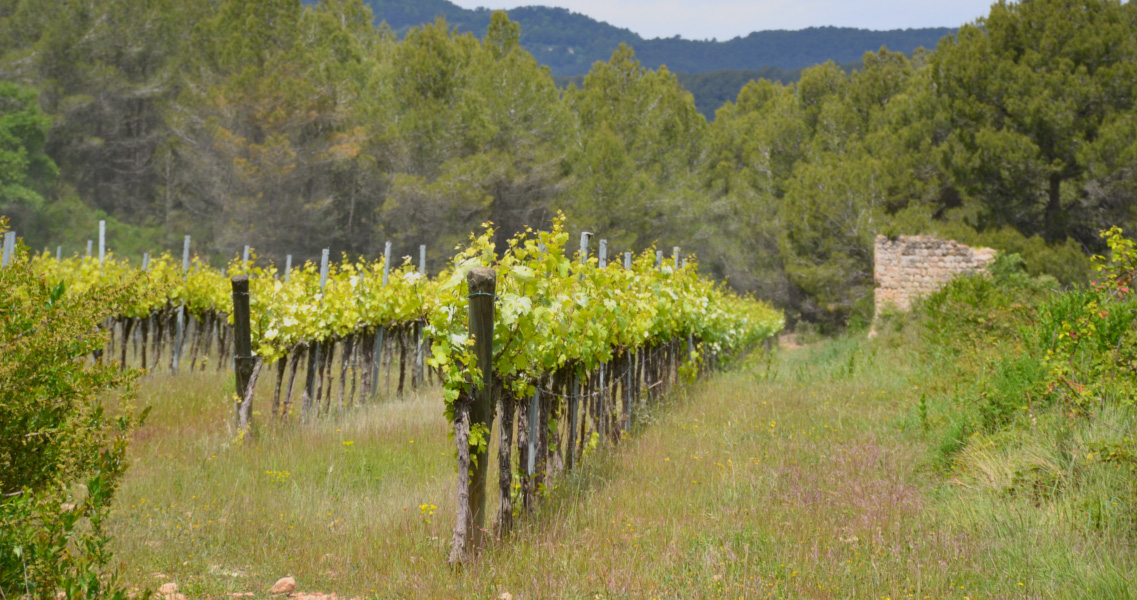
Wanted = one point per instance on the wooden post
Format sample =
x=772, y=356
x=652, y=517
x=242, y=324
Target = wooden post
x=145, y=262
x=323, y=269
x=378, y=351
x=245, y=257
x=307, y=397
x=419, y=373
x=9, y=244
x=675, y=255
x=242, y=352
x=179, y=332
x=475, y=411
x=386, y=263
x=179, y=339
x=584, y=236
x=314, y=352
x=58, y=253
x=533, y=423
x=509, y=404
x=603, y=255
x=629, y=368
x=658, y=258
x=102, y=242
x=287, y=267
x=570, y=438
x=89, y=243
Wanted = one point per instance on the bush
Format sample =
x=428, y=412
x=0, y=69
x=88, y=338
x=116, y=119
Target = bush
x=65, y=420
x=1033, y=389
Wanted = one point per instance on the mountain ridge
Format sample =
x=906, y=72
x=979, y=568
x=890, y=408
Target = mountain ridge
x=570, y=42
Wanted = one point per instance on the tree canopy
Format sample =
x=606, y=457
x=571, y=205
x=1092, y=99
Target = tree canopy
x=293, y=127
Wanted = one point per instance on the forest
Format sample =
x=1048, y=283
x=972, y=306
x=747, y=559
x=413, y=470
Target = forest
x=293, y=128
x=569, y=42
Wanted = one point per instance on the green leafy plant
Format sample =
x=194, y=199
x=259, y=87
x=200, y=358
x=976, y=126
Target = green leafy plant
x=65, y=421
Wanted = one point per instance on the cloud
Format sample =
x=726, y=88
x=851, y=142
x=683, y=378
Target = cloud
x=725, y=19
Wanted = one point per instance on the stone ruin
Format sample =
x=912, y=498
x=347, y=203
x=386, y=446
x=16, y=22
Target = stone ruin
x=912, y=266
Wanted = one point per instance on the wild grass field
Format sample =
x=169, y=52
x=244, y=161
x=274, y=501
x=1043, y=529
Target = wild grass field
x=802, y=474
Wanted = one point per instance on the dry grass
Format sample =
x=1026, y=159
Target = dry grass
x=797, y=479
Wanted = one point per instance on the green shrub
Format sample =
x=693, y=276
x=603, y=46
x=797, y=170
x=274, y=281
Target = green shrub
x=1031, y=389
x=1065, y=261
x=1017, y=383
x=65, y=420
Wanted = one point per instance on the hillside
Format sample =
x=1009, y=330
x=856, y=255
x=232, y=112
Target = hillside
x=570, y=42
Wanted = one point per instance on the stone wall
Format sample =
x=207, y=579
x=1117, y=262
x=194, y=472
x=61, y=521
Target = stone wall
x=912, y=266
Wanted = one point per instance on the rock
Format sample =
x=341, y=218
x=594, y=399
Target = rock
x=168, y=588
x=505, y=596
x=285, y=585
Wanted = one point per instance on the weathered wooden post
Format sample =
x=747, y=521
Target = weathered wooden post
x=602, y=401
x=9, y=246
x=287, y=267
x=58, y=253
x=102, y=242
x=575, y=386
x=658, y=258
x=243, y=354
x=378, y=351
x=89, y=242
x=245, y=257
x=419, y=372
x=180, y=327
x=629, y=368
x=534, y=402
x=313, y=354
x=475, y=411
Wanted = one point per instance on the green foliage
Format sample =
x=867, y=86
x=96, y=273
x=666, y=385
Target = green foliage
x=24, y=168
x=293, y=127
x=1027, y=89
x=62, y=447
x=1031, y=373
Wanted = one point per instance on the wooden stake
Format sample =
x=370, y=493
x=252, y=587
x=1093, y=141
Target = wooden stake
x=102, y=242
x=475, y=411
x=243, y=353
x=505, y=463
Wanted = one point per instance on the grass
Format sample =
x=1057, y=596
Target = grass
x=804, y=476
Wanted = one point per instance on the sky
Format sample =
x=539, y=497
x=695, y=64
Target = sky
x=725, y=19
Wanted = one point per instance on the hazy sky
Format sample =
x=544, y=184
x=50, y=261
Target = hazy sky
x=725, y=19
